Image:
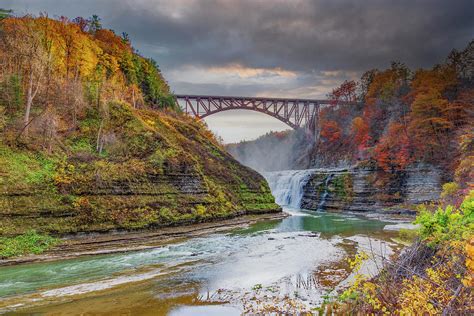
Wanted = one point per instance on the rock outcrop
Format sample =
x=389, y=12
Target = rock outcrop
x=371, y=190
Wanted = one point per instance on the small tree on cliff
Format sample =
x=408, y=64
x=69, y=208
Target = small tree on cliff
x=345, y=92
x=360, y=134
x=394, y=151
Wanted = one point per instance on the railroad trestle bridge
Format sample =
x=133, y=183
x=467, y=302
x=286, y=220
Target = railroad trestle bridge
x=295, y=113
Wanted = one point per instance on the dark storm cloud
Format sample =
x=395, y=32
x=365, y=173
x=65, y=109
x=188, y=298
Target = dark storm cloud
x=295, y=35
x=300, y=35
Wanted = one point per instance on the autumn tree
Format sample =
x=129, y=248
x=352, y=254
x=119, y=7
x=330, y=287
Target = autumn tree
x=433, y=116
x=365, y=81
x=345, y=92
x=439, y=79
x=428, y=124
x=28, y=57
x=68, y=44
x=360, y=132
x=385, y=97
x=111, y=43
x=464, y=171
x=394, y=150
x=385, y=86
x=461, y=110
x=331, y=132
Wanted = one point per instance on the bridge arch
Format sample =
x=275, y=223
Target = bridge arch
x=260, y=110
x=295, y=113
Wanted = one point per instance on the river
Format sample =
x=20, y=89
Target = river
x=290, y=263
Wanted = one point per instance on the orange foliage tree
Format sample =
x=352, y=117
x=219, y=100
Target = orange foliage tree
x=331, y=132
x=394, y=150
x=433, y=116
x=384, y=92
x=345, y=92
x=360, y=132
x=429, y=124
x=386, y=85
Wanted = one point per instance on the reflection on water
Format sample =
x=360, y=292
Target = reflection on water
x=330, y=224
x=218, y=267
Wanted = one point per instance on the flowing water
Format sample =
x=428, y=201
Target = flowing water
x=287, y=186
x=288, y=262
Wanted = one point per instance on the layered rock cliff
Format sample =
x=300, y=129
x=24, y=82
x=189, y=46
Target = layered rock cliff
x=370, y=190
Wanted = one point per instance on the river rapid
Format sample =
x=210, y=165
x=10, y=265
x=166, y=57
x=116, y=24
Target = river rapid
x=279, y=265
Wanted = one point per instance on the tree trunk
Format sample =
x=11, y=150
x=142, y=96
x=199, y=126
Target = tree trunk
x=29, y=101
x=74, y=114
x=133, y=98
x=98, y=146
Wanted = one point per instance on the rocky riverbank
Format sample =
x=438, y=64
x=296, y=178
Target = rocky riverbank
x=80, y=245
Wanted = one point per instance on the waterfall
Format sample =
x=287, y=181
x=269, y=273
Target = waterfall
x=287, y=186
x=325, y=194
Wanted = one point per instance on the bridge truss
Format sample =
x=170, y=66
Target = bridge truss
x=295, y=113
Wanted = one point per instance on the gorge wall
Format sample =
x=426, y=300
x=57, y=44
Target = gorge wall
x=366, y=190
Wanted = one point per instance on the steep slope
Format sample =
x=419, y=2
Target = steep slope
x=162, y=169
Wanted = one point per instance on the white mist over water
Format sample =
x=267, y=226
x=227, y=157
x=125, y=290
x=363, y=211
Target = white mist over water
x=287, y=186
x=275, y=151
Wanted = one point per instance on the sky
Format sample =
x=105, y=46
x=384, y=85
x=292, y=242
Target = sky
x=273, y=48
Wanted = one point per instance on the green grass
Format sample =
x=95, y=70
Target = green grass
x=27, y=168
x=82, y=145
x=28, y=243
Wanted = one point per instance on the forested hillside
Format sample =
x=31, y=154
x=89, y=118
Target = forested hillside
x=404, y=118
x=91, y=139
x=52, y=70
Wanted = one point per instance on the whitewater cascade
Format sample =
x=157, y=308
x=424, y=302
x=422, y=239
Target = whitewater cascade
x=287, y=186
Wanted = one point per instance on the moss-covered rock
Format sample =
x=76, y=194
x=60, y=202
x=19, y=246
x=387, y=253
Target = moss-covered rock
x=136, y=169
